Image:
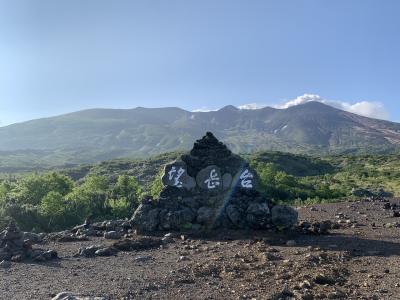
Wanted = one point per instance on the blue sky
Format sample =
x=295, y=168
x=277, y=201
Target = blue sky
x=62, y=56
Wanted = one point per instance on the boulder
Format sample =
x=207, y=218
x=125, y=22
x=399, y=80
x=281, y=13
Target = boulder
x=146, y=217
x=258, y=215
x=205, y=215
x=191, y=203
x=176, y=219
x=235, y=216
x=284, y=217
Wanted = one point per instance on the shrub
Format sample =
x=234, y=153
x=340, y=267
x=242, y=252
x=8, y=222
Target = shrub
x=157, y=185
x=121, y=208
x=33, y=188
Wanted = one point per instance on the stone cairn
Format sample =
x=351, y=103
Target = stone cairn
x=17, y=246
x=209, y=188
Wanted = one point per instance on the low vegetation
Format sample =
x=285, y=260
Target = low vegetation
x=54, y=200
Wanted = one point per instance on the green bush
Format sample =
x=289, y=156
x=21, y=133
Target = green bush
x=157, y=185
x=33, y=188
x=120, y=208
x=125, y=196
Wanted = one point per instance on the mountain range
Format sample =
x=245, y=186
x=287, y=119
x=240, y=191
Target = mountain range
x=99, y=134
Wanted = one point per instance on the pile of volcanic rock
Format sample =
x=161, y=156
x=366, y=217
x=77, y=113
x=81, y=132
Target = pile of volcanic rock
x=16, y=246
x=138, y=244
x=111, y=229
x=209, y=188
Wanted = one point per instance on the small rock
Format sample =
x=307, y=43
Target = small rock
x=33, y=237
x=109, y=251
x=143, y=258
x=166, y=240
x=386, y=205
x=88, y=251
x=5, y=264
x=50, y=254
x=71, y=296
x=291, y=243
x=112, y=235
x=323, y=279
x=337, y=295
x=40, y=255
x=183, y=258
x=305, y=284
x=396, y=214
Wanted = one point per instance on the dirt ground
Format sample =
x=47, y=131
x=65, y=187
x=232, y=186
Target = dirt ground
x=361, y=260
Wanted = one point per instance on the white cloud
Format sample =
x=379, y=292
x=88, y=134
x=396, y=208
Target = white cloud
x=203, y=109
x=368, y=109
x=301, y=100
x=364, y=108
x=251, y=106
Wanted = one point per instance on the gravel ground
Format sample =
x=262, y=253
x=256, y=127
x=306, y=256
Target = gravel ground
x=360, y=260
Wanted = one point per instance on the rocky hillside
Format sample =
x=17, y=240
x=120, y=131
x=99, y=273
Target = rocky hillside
x=102, y=134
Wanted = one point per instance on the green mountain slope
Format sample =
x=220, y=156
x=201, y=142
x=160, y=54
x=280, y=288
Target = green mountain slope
x=101, y=134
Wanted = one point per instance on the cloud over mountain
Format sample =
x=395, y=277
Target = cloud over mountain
x=363, y=108
x=369, y=109
x=251, y=106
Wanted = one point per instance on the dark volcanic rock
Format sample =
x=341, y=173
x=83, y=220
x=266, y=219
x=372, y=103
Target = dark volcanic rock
x=284, y=216
x=88, y=251
x=107, y=251
x=210, y=187
x=146, y=217
x=13, y=246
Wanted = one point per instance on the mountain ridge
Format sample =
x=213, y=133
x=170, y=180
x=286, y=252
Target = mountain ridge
x=92, y=135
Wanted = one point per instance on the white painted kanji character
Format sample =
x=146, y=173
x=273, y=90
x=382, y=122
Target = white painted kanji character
x=175, y=175
x=213, y=180
x=246, y=179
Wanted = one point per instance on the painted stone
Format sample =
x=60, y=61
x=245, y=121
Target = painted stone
x=210, y=179
x=175, y=174
x=246, y=178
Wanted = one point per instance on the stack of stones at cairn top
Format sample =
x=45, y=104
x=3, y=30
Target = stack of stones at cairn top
x=209, y=188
